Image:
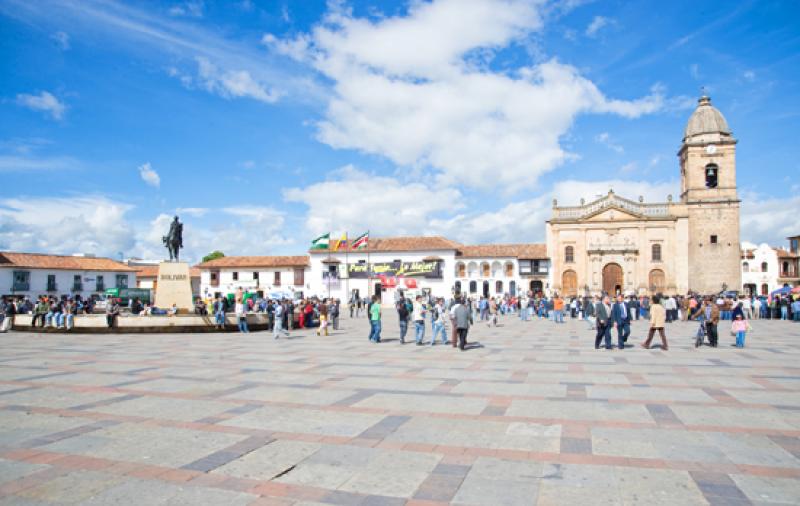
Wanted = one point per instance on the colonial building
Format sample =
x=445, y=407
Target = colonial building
x=619, y=245
x=789, y=263
x=34, y=274
x=434, y=264
x=759, y=269
x=268, y=276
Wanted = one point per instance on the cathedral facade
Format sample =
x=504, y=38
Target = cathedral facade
x=621, y=245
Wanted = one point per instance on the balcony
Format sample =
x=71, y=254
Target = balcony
x=52, y=287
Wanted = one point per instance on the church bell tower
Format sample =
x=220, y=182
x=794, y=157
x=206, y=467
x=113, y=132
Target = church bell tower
x=708, y=190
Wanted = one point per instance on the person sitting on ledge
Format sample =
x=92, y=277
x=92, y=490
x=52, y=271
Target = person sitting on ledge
x=173, y=310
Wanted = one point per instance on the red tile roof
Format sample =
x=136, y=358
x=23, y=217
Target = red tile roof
x=254, y=262
x=418, y=243
x=530, y=251
x=15, y=260
x=782, y=253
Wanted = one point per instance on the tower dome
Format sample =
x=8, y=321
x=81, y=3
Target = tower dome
x=706, y=124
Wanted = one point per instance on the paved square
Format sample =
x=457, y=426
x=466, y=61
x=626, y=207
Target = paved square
x=531, y=414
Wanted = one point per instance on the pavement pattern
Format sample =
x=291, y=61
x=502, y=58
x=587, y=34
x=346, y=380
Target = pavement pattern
x=530, y=414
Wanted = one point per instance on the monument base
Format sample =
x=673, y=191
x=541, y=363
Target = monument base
x=174, y=286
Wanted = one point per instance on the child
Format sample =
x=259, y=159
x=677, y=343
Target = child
x=740, y=326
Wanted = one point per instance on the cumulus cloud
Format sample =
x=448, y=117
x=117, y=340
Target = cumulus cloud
x=193, y=9
x=418, y=89
x=232, y=83
x=149, y=175
x=570, y=192
x=92, y=224
x=44, y=101
x=597, y=24
x=768, y=219
x=604, y=138
x=355, y=200
x=522, y=221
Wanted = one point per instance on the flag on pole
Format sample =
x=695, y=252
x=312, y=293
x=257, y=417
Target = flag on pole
x=321, y=242
x=341, y=243
x=361, y=241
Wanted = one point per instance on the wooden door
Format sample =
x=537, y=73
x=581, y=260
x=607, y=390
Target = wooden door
x=569, y=283
x=612, y=279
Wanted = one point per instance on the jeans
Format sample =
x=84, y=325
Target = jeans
x=419, y=329
x=623, y=331
x=796, y=316
x=558, y=316
x=403, y=330
x=784, y=312
x=50, y=319
x=740, y=339
x=462, y=338
x=219, y=318
x=711, y=330
x=437, y=328
x=375, y=332
x=243, y=324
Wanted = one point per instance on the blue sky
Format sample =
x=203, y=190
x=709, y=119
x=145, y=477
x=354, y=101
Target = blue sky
x=263, y=124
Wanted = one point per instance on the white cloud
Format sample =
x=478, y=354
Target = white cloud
x=192, y=211
x=92, y=224
x=412, y=89
x=62, y=39
x=355, y=201
x=44, y=101
x=149, y=175
x=768, y=219
x=604, y=138
x=516, y=222
x=232, y=83
x=13, y=163
x=570, y=192
x=192, y=9
x=749, y=75
x=597, y=24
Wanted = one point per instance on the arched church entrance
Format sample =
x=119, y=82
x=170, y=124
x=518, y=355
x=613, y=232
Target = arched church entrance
x=612, y=279
x=569, y=283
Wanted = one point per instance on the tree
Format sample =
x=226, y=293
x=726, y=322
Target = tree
x=213, y=256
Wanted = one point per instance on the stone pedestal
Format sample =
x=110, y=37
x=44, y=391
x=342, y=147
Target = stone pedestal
x=174, y=286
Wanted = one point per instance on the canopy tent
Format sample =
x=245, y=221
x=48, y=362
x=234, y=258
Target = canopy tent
x=781, y=291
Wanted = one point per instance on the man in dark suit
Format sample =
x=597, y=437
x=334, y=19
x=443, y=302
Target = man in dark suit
x=621, y=316
x=603, y=314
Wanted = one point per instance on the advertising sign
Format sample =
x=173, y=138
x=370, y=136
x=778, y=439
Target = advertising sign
x=422, y=269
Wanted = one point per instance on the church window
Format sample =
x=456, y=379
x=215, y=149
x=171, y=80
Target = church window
x=764, y=267
x=712, y=173
x=713, y=239
x=569, y=254
x=656, y=252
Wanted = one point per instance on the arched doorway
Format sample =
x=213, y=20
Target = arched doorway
x=512, y=287
x=569, y=283
x=657, y=281
x=612, y=279
x=536, y=286
x=498, y=288
x=486, y=288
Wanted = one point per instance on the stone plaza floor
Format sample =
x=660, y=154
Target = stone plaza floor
x=531, y=414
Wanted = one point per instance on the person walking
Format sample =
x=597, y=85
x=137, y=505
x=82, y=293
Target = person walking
x=740, y=326
x=558, y=309
x=621, y=318
x=323, y=318
x=439, y=319
x=419, y=320
x=603, y=323
x=334, y=312
x=712, y=322
x=658, y=316
x=374, y=310
x=277, y=329
x=463, y=319
x=403, y=316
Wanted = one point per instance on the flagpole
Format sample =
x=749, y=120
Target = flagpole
x=329, y=266
x=346, y=268
x=369, y=270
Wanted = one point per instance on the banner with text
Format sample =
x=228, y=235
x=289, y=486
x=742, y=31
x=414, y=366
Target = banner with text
x=424, y=269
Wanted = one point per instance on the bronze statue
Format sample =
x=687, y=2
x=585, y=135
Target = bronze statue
x=174, y=239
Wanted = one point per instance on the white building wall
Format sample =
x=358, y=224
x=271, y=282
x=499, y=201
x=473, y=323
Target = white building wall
x=754, y=273
x=64, y=282
x=246, y=280
x=439, y=287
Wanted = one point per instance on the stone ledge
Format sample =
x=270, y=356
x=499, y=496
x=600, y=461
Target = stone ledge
x=129, y=324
